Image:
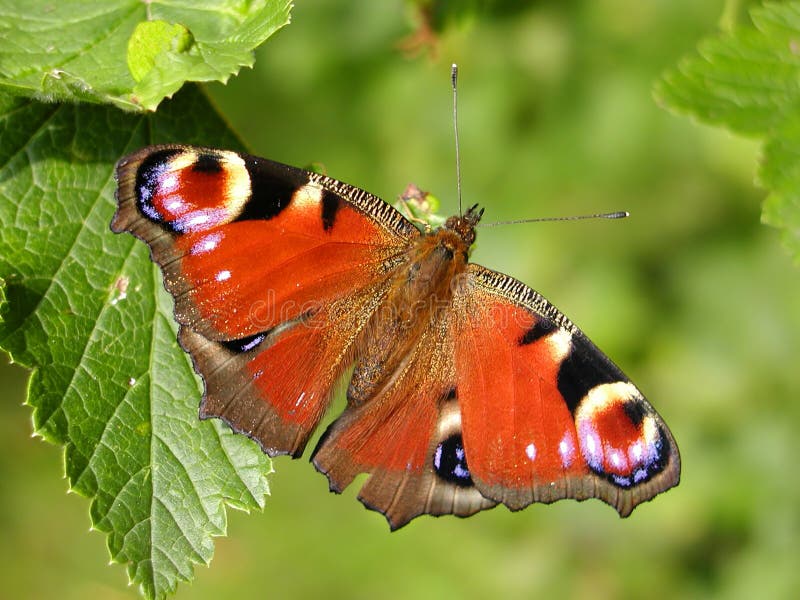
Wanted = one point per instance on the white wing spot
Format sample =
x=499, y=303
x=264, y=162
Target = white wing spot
x=309, y=195
x=590, y=445
x=616, y=459
x=530, y=451
x=636, y=451
x=566, y=448
x=207, y=244
x=169, y=184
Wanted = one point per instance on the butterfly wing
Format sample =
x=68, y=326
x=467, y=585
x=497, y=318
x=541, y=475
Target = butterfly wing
x=273, y=269
x=407, y=438
x=545, y=414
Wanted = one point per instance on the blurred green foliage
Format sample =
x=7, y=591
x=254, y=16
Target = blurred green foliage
x=691, y=296
x=746, y=80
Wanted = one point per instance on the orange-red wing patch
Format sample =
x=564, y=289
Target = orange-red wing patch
x=261, y=273
x=518, y=431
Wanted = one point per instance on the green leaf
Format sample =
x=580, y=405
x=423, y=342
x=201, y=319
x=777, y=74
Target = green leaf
x=150, y=39
x=87, y=310
x=421, y=207
x=780, y=173
x=749, y=81
x=129, y=53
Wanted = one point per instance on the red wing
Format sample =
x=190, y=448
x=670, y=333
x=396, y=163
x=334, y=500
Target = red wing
x=408, y=438
x=546, y=415
x=274, y=271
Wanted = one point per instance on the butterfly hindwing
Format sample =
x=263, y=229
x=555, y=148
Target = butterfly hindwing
x=407, y=437
x=546, y=415
x=273, y=270
x=275, y=388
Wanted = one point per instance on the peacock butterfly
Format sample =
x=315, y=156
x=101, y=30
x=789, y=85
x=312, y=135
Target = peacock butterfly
x=469, y=389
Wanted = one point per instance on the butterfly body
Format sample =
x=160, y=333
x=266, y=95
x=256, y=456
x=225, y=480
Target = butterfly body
x=468, y=388
x=419, y=294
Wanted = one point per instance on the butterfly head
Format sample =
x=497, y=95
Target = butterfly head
x=464, y=225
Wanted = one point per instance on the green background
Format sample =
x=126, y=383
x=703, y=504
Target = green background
x=691, y=296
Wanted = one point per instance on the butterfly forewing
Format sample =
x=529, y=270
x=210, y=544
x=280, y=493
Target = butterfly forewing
x=273, y=270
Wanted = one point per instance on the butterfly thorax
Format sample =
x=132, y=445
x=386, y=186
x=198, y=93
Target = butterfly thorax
x=418, y=295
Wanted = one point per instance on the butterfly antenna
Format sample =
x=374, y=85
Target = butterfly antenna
x=621, y=214
x=454, y=81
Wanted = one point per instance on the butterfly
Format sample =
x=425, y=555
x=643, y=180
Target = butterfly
x=468, y=388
